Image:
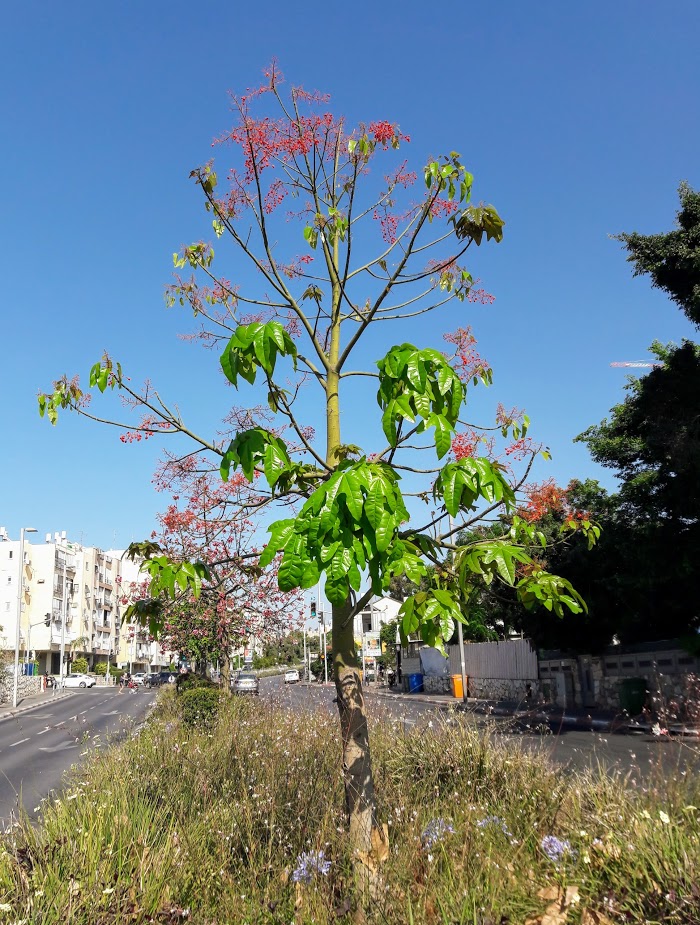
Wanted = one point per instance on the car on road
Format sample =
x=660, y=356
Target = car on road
x=79, y=680
x=291, y=676
x=140, y=677
x=245, y=683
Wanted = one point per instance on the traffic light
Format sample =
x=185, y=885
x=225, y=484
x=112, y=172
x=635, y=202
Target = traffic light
x=313, y=610
x=47, y=620
x=111, y=655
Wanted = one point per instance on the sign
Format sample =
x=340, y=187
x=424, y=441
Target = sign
x=371, y=644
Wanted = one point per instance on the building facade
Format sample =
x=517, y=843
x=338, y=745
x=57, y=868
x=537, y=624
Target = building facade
x=67, y=598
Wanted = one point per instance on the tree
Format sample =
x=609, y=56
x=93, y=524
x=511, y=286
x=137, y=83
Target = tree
x=652, y=443
x=368, y=250
x=209, y=521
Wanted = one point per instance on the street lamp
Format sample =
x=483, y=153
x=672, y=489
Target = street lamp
x=19, y=609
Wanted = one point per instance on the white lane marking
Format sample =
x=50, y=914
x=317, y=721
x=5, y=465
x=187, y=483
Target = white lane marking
x=57, y=748
x=58, y=725
x=81, y=712
x=43, y=731
x=18, y=743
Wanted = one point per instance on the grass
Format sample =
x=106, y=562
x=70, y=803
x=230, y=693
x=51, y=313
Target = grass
x=207, y=826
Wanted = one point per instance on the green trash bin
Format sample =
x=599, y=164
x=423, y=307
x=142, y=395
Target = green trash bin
x=633, y=695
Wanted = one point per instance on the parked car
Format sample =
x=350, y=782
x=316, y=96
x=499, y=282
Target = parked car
x=246, y=683
x=78, y=680
x=153, y=679
x=140, y=677
x=291, y=676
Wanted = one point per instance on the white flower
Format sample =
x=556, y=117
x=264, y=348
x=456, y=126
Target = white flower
x=664, y=817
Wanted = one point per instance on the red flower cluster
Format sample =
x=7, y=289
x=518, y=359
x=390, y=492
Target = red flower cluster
x=469, y=362
x=385, y=133
x=544, y=498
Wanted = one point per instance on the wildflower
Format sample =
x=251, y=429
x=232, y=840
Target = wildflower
x=664, y=817
x=435, y=831
x=494, y=822
x=309, y=865
x=556, y=848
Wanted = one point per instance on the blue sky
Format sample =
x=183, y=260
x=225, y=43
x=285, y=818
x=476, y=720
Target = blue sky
x=577, y=120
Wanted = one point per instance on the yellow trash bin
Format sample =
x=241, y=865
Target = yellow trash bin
x=457, y=689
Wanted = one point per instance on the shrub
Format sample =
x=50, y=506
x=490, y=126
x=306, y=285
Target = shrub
x=188, y=682
x=200, y=706
x=79, y=665
x=100, y=668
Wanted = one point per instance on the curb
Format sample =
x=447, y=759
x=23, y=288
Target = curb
x=9, y=714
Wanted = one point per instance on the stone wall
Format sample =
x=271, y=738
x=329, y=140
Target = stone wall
x=26, y=686
x=503, y=689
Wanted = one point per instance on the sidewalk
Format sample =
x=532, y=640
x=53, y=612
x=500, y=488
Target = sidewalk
x=555, y=717
x=31, y=703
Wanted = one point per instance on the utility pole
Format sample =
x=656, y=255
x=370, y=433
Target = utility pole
x=305, y=659
x=460, y=640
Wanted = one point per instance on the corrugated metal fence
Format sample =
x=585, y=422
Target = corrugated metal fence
x=512, y=659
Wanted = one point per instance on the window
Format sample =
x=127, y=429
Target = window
x=10, y=554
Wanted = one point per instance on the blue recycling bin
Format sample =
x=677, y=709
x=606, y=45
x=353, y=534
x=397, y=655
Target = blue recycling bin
x=415, y=683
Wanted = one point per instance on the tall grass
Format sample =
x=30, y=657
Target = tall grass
x=238, y=824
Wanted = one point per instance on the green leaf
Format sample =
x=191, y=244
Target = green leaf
x=280, y=532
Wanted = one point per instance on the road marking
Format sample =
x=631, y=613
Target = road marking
x=57, y=748
x=113, y=713
x=42, y=715
x=81, y=712
x=43, y=731
x=59, y=725
x=18, y=743
x=70, y=718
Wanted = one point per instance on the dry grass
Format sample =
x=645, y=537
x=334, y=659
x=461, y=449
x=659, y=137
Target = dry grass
x=180, y=825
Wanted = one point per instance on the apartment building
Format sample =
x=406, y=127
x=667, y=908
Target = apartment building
x=69, y=601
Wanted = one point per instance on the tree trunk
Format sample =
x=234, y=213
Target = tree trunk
x=225, y=675
x=357, y=765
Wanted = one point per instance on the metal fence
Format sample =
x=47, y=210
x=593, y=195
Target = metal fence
x=512, y=659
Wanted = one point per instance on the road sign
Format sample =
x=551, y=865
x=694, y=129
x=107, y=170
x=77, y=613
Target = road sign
x=371, y=644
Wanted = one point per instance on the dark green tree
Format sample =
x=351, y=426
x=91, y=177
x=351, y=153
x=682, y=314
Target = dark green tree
x=645, y=566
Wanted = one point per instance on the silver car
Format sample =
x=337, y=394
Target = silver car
x=246, y=683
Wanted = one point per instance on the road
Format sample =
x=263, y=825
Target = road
x=639, y=755
x=38, y=746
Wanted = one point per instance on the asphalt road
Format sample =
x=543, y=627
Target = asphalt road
x=638, y=756
x=38, y=746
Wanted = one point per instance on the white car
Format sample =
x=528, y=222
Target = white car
x=291, y=676
x=78, y=680
x=140, y=677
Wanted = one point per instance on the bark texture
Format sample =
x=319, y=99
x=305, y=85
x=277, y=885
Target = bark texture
x=357, y=765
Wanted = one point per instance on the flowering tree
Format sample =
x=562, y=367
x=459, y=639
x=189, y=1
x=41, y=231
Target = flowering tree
x=209, y=521
x=357, y=250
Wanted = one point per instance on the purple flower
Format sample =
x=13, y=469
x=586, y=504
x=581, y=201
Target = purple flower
x=434, y=832
x=494, y=822
x=309, y=865
x=555, y=848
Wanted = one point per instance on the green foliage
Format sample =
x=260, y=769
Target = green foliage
x=79, y=665
x=433, y=613
x=100, y=668
x=672, y=260
x=254, y=346
x=419, y=383
x=194, y=681
x=199, y=705
x=349, y=524
x=461, y=483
